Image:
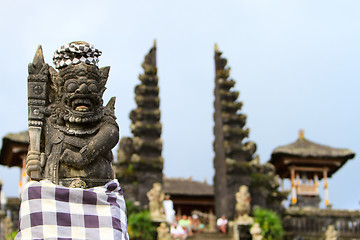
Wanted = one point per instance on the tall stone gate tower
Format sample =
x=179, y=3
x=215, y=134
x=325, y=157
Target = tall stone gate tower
x=140, y=163
x=232, y=154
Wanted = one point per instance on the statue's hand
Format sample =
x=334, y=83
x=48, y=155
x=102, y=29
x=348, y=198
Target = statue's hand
x=32, y=162
x=73, y=159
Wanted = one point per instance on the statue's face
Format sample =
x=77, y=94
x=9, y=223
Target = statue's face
x=82, y=97
x=243, y=189
x=157, y=186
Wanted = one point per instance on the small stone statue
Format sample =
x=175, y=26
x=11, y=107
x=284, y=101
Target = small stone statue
x=255, y=232
x=163, y=232
x=331, y=233
x=71, y=132
x=242, y=207
x=8, y=227
x=156, y=198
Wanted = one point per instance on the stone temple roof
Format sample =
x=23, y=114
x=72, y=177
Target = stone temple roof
x=14, y=145
x=180, y=186
x=304, y=153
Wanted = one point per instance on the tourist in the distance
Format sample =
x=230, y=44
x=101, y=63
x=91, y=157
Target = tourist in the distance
x=196, y=225
x=221, y=224
x=169, y=209
x=177, y=232
x=185, y=223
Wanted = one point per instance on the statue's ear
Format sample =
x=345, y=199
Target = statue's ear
x=104, y=74
x=55, y=84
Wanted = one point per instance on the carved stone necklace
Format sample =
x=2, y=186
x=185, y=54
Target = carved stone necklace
x=77, y=132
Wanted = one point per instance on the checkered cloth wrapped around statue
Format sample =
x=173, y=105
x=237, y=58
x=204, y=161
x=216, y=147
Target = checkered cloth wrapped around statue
x=50, y=211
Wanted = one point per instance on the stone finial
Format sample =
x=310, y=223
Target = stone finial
x=331, y=233
x=301, y=134
x=38, y=60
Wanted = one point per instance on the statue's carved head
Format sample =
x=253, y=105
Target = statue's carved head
x=157, y=186
x=243, y=189
x=79, y=84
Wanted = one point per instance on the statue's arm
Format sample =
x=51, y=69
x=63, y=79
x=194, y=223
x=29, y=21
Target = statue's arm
x=100, y=144
x=162, y=196
x=150, y=195
x=105, y=140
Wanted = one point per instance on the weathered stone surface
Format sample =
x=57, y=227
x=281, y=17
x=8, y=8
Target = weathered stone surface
x=331, y=233
x=163, y=232
x=156, y=197
x=235, y=162
x=77, y=131
x=311, y=223
x=255, y=231
x=140, y=162
x=242, y=201
x=232, y=155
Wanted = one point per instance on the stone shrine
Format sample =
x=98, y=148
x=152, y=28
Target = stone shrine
x=305, y=163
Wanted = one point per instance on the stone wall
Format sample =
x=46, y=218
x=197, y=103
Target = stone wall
x=311, y=223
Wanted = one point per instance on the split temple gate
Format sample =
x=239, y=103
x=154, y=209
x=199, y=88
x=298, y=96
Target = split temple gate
x=140, y=163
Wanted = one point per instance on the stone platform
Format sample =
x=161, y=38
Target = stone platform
x=210, y=236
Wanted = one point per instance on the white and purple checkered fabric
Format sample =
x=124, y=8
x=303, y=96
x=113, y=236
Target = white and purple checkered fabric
x=74, y=53
x=50, y=211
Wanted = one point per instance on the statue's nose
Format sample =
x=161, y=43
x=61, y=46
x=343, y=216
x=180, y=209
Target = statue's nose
x=83, y=89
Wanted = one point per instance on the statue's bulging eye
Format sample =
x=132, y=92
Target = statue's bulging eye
x=71, y=87
x=93, y=88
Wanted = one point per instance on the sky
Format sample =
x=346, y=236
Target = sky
x=295, y=63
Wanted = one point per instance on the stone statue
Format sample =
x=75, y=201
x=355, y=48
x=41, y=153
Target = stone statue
x=8, y=227
x=71, y=132
x=242, y=207
x=156, y=198
x=163, y=232
x=255, y=232
x=331, y=233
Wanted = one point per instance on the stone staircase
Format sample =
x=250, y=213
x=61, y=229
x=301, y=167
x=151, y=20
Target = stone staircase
x=210, y=236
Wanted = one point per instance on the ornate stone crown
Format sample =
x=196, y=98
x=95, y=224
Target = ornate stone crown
x=72, y=71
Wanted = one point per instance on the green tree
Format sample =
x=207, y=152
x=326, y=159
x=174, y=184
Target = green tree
x=140, y=226
x=270, y=224
x=11, y=236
